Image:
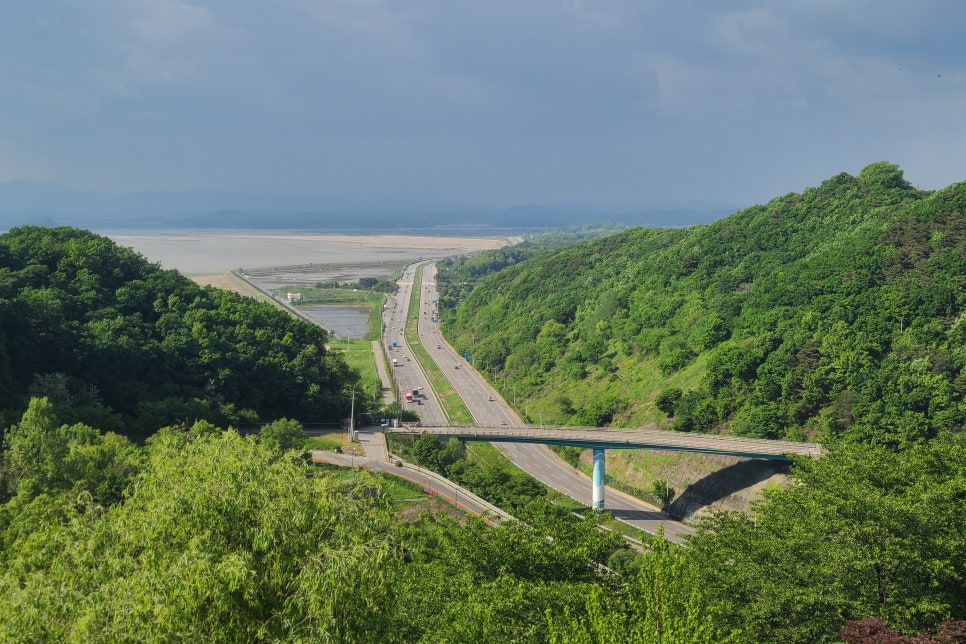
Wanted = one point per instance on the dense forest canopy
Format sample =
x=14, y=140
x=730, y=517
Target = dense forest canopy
x=834, y=314
x=204, y=534
x=115, y=341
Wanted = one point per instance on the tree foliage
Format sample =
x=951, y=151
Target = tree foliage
x=863, y=532
x=225, y=538
x=834, y=314
x=114, y=341
x=217, y=538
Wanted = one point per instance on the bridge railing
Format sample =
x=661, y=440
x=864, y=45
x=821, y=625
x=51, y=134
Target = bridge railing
x=658, y=438
x=453, y=486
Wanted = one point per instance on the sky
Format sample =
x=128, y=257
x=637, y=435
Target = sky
x=486, y=102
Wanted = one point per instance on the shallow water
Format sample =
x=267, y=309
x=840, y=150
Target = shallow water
x=338, y=319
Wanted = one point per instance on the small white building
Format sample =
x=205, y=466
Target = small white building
x=293, y=298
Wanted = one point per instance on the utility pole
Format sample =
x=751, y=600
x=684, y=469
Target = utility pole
x=352, y=417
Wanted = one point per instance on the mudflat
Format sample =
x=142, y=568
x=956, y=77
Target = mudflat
x=208, y=256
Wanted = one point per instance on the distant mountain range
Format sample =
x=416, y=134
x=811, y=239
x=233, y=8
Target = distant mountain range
x=24, y=202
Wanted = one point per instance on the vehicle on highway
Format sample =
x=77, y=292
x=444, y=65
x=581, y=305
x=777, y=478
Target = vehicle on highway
x=456, y=366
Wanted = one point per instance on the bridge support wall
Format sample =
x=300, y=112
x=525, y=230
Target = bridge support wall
x=598, y=495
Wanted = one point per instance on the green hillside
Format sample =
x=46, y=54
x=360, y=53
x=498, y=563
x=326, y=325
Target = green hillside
x=202, y=534
x=117, y=342
x=830, y=314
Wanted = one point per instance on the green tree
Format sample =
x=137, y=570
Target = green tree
x=663, y=604
x=282, y=435
x=220, y=540
x=864, y=531
x=34, y=449
x=667, y=400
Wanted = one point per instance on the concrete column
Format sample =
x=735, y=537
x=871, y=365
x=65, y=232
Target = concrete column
x=598, y=498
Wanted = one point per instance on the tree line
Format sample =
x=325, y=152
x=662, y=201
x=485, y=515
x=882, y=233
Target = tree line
x=122, y=344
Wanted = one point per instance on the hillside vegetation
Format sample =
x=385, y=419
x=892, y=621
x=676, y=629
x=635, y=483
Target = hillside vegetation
x=117, y=342
x=834, y=314
x=202, y=534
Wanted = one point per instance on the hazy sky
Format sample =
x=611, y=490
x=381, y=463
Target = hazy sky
x=493, y=102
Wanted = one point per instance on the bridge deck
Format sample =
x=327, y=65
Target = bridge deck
x=627, y=439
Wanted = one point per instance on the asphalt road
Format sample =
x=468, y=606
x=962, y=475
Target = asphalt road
x=376, y=458
x=406, y=369
x=489, y=410
x=644, y=438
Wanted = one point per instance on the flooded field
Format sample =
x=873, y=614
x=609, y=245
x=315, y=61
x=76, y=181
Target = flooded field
x=343, y=321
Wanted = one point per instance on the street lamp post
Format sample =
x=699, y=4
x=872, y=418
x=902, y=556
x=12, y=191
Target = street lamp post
x=352, y=416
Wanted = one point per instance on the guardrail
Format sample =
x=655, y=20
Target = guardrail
x=277, y=300
x=453, y=486
x=635, y=438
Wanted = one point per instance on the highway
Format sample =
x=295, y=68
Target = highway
x=406, y=371
x=489, y=410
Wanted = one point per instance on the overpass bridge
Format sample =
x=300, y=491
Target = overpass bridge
x=599, y=439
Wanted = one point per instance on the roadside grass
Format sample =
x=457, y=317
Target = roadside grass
x=405, y=498
x=604, y=519
x=359, y=357
x=650, y=462
x=332, y=441
x=316, y=442
x=374, y=321
x=337, y=295
x=487, y=455
x=452, y=404
x=400, y=492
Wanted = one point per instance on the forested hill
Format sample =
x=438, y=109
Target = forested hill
x=834, y=313
x=121, y=344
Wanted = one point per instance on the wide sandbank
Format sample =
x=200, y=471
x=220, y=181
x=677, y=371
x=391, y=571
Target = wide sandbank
x=209, y=256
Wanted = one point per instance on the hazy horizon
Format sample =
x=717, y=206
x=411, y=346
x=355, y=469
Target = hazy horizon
x=480, y=105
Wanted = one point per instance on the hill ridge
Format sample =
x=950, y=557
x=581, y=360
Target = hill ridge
x=801, y=318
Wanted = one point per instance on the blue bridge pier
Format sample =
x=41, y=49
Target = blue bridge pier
x=598, y=478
